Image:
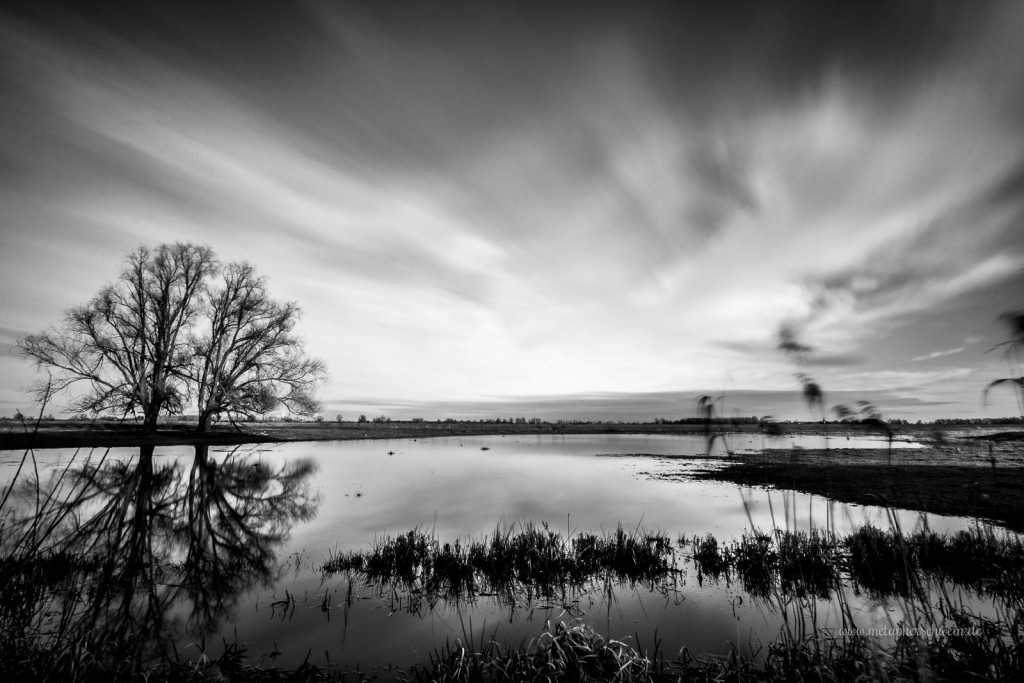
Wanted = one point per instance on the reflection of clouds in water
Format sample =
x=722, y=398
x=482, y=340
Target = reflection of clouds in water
x=463, y=492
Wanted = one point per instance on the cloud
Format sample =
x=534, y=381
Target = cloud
x=892, y=380
x=470, y=202
x=12, y=334
x=834, y=360
x=939, y=354
x=640, y=406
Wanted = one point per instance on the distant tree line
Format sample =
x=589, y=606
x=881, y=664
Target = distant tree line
x=193, y=417
x=977, y=420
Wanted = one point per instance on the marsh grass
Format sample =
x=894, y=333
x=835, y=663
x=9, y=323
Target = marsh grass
x=765, y=564
x=514, y=565
x=886, y=562
x=578, y=653
x=939, y=633
x=883, y=563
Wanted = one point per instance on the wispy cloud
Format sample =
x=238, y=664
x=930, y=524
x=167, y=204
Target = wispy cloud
x=939, y=354
x=889, y=380
x=518, y=202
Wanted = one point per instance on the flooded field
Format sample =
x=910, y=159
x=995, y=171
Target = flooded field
x=191, y=547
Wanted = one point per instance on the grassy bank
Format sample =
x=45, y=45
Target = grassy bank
x=993, y=494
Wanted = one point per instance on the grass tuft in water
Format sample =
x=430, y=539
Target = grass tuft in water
x=881, y=563
x=532, y=561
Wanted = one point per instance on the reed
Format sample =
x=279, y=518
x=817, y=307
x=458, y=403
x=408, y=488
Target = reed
x=882, y=563
x=514, y=564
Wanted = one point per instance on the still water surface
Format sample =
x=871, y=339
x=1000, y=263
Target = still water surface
x=358, y=492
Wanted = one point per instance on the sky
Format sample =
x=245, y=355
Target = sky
x=563, y=210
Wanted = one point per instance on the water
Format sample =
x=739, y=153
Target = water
x=274, y=514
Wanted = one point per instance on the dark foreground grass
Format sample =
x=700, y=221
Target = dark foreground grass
x=578, y=653
x=792, y=569
x=564, y=653
x=940, y=638
x=940, y=635
x=572, y=653
x=82, y=664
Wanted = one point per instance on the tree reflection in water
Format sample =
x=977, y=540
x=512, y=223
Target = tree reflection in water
x=146, y=550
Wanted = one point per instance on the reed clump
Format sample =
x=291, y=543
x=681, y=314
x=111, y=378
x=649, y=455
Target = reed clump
x=531, y=561
x=796, y=563
x=883, y=563
x=887, y=562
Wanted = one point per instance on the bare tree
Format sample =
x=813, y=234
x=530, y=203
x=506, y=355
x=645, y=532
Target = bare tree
x=247, y=359
x=127, y=344
x=164, y=335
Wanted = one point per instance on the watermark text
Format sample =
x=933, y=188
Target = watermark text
x=913, y=631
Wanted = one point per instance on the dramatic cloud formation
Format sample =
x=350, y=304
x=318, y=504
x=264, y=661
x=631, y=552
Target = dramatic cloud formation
x=519, y=205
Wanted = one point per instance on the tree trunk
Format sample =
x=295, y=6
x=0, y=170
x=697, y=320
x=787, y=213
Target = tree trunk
x=149, y=421
x=204, y=422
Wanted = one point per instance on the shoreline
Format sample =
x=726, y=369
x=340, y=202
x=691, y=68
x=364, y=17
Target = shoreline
x=959, y=481
x=100, y=434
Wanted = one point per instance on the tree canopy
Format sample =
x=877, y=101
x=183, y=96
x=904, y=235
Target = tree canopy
x=179, y=330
